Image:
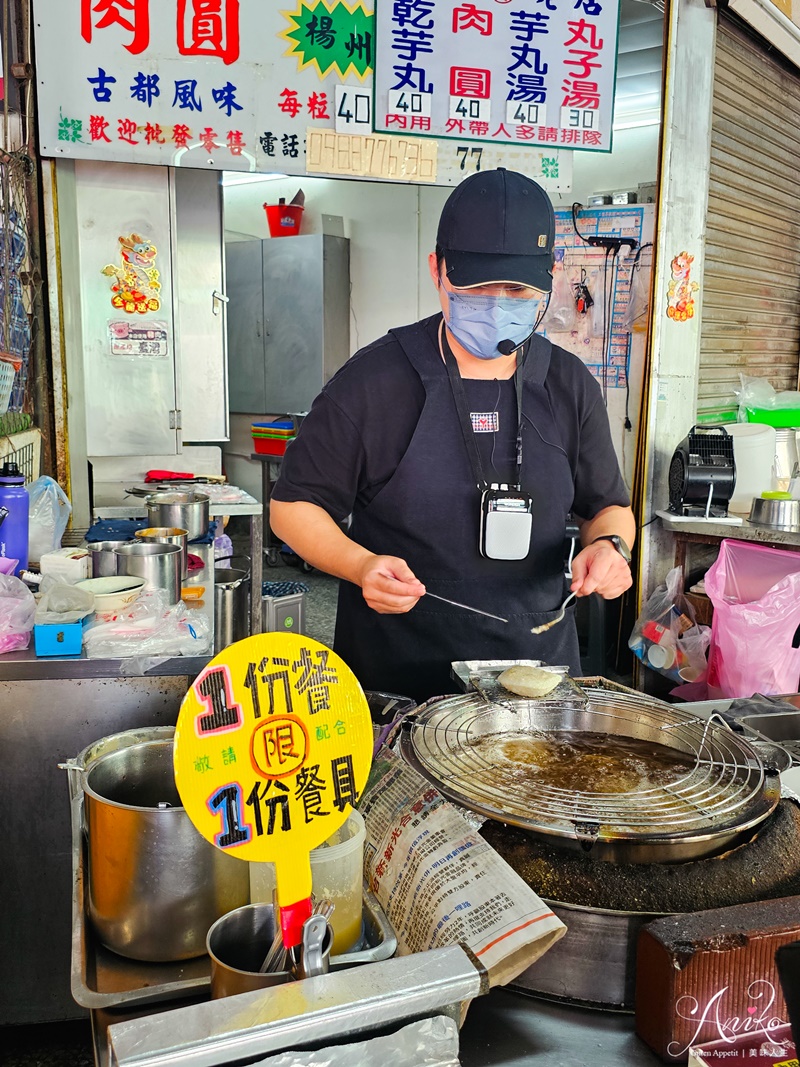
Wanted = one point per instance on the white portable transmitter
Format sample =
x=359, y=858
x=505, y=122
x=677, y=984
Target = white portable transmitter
x=506, y=522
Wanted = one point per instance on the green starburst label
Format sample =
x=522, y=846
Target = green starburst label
x=333, y=37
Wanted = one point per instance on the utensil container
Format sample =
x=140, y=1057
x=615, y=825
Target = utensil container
x=237, y=944
x=155, y=884
x=284, y=614
x=336, y=873
x=168, y=535
x=183, y=510
x=159, y=565
x=231, y=606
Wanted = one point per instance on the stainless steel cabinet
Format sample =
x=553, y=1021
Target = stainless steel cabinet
x=288, y=320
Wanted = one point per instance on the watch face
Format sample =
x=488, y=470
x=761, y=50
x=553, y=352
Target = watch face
x=619, y=544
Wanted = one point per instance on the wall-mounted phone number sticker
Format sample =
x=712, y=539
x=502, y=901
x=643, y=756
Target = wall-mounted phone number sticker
x=273, y=746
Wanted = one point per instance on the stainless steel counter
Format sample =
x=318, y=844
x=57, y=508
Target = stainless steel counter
x=50, y=709
x=748, y=531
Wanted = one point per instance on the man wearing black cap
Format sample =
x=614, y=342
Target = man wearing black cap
x=459, y=446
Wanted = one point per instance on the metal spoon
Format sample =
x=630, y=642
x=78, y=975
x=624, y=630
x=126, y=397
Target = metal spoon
x=547, y=625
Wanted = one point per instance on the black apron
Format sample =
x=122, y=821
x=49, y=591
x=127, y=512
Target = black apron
x=428, y=514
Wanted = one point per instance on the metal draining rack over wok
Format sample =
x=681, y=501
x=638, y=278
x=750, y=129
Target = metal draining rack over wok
x=721, y=792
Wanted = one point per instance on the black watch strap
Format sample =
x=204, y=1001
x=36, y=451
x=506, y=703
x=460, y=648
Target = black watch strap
x=618, y=543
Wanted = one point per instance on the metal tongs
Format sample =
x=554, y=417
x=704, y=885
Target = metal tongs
x=312, y=956
x=310, y=959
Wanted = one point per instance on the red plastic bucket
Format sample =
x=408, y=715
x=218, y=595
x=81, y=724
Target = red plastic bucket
x=283, y=219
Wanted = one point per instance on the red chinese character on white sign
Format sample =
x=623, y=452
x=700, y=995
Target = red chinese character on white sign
x=470, y=81
x=211, y=28
x=132, y=15
x=468, y=17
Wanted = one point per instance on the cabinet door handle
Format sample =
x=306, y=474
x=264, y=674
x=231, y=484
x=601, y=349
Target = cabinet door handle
x=218, y=298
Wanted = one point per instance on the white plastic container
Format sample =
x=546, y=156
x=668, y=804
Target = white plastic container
x=754, y=447
x=70, y=565
x=336, y=873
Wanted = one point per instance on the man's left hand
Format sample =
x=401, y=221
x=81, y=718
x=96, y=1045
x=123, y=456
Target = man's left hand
x=599, y=568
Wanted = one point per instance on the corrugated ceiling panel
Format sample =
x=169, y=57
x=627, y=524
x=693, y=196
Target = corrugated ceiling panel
x=751, y=285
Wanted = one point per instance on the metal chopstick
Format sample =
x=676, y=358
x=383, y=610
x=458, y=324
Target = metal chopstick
x=467, y=607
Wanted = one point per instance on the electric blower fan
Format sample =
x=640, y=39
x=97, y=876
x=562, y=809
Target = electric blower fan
x=702, y=474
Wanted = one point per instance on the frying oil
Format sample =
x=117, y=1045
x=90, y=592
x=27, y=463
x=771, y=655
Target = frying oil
x=581, y=762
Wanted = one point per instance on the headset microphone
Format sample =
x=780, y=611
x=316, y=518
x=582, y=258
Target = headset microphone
x=506, y=347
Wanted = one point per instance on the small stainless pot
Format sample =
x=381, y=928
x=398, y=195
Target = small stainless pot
x=159, y=565
x=168, y=535
x=184, y=510
x=104, y=562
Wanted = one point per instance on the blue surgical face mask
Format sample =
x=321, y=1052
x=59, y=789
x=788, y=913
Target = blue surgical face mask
x=480, y=322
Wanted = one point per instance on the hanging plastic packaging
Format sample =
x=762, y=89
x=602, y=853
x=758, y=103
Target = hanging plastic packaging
x=635, y=320
x=755, y=591
x=560, y=317
x=14, y=510
x=666, y=636
x=50, y=511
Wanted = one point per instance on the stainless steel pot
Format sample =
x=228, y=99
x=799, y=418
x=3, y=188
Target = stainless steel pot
x=104, y=562
x=168, y=535
x=231, y=606
x=155, y=885
x=184, y=510
x=159, y=565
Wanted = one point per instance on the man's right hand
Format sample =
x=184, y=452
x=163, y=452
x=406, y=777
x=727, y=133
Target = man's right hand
x=389, y=585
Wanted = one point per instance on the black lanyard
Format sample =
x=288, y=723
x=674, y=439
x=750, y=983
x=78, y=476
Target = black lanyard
x=460, y=397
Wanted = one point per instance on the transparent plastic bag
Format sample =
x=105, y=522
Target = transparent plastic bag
x=757, y=397
x=61, y=603
x=48, y=516
x=755, y=591
x=560, y=316
x=666, y=636
x=149, y=627
x=17, y=610
x=635, y=319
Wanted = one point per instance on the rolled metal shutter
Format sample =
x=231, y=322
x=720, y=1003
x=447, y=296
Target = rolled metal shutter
x=751, y=283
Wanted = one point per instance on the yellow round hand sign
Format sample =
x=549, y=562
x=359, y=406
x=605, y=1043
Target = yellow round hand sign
x=273, y=747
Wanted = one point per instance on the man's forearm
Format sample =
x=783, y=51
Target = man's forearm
x=613, y=520
x=310, y=532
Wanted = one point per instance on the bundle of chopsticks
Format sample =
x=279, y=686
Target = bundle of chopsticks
x=278, y=957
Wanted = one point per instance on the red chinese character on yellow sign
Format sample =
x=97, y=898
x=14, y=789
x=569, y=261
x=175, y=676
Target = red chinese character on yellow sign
x=279, y=746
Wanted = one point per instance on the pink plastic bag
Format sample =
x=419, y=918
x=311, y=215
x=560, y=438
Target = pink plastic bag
x=755, y=633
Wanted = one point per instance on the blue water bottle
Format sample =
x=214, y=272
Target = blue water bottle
x=13, y=515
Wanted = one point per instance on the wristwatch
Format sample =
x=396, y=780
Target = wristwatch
x=618, y=543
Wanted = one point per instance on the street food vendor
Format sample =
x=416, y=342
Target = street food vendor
x=458, y=446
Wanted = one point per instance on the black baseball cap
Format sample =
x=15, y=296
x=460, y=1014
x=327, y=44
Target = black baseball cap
x=498, y=226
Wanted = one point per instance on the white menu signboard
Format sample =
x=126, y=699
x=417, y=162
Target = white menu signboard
x=239, y=85
x=538, y=73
